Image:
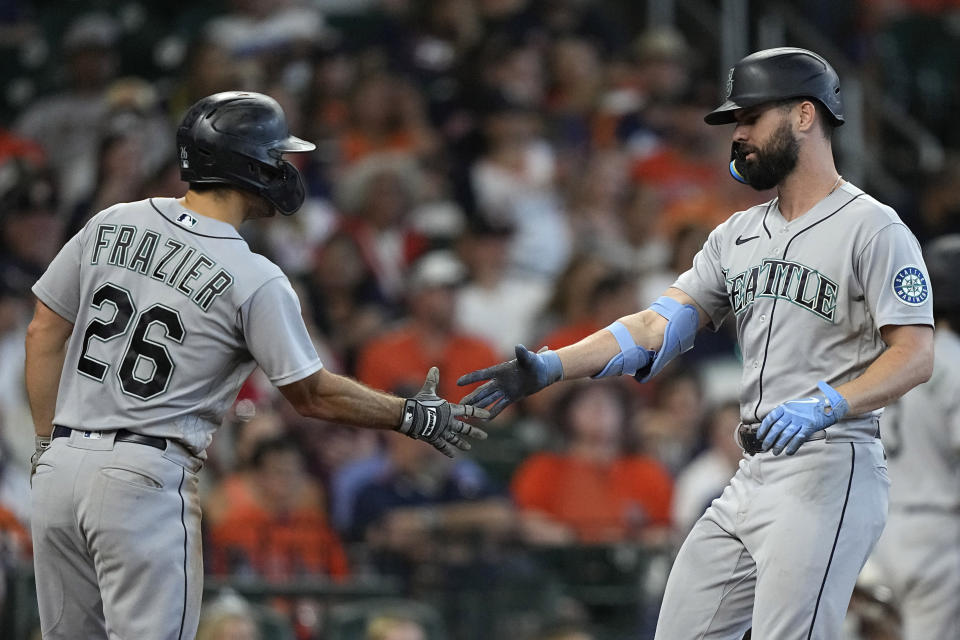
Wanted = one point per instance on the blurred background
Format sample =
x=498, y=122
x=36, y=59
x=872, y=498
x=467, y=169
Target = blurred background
x=489, y=172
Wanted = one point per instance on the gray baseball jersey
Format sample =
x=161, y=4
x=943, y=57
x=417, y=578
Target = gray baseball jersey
x=172, y=312
x=809, y=295
x=918, y=555
x=780, y=550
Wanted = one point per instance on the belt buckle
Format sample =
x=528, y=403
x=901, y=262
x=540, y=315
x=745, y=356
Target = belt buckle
x=747, y=434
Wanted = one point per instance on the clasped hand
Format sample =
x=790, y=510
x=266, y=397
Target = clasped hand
x=790, y=425
x=428, y=417
x=509, y=381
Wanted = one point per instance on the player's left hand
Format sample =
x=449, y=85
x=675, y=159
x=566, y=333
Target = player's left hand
x=427, y=416
x=790, y=425
x=42, y=444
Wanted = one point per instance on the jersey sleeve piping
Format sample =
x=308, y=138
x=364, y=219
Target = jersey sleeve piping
x=299, y=374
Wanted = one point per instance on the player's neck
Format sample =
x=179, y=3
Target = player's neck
x=225, y=207
x=807, y=185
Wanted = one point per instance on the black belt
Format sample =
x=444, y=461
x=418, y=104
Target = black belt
x=122, y=436
x=751, y=445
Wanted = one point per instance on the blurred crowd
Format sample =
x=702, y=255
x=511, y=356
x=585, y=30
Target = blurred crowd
x=488, y=173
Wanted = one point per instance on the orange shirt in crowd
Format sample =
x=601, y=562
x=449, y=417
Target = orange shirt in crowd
x=275, y=546
x=398, y=361
x=601, y=503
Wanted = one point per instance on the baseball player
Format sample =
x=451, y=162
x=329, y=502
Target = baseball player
x=167, y=312
x=829, y=294
x=918, y=555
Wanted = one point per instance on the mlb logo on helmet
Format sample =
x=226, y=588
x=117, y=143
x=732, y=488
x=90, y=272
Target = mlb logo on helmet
x=184, y=161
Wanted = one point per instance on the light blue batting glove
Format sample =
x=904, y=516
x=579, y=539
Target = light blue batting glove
x=790, y=425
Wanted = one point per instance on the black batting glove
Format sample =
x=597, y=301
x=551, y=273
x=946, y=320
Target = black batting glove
x=428, y=417
x=509, y=381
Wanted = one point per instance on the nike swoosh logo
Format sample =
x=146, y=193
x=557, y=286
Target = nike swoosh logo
x=740, y=239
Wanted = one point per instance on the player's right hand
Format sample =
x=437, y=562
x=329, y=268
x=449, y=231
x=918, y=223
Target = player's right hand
x=509, y=381
x=428, y=417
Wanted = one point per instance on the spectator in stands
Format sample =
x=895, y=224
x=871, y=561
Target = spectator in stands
x=494, y=304
x=395, y=627
x=564, y=632
x=569, y=304
x=67, y=123
x=274, y=524
x=398, y=359
x=594, y=490
x=346, y=302
x=228, y=618
x=376, y=197
x=609, y=298
x=706, y=476
x=422, y=495
x=515, y=178
x=387, y=115
x=668, y=431
x=16, y=427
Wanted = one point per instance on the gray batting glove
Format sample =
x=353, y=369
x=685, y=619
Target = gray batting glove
x=426, y=416
x=42, y=444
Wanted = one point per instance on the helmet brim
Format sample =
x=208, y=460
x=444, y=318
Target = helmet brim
x=293, y=144
x=724, y=114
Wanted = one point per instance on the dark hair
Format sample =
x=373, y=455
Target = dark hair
x=827, y=123
x=275, y=444
x=210, y=187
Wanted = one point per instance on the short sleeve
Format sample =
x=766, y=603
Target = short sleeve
x=705, y=282
x=894, y=278
x=275, y=333
x=59, y=286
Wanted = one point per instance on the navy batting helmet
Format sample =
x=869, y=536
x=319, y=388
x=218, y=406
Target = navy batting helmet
x=942, y=256
x=239, y=138
x=779, y=74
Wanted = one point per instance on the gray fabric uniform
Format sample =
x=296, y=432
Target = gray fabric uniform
x=171, y=313
x=780, y=550
x=918, y=555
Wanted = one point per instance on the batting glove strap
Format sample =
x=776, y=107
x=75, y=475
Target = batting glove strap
x=837, y=405
x=425, y=420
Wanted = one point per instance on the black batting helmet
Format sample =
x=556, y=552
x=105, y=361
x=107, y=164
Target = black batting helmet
x=239, y=138
x=778, y=74
x=942, y=256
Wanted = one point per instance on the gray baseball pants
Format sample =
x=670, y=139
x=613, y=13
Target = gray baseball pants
x=116, y=540
x=780, y=549
x=919, y=559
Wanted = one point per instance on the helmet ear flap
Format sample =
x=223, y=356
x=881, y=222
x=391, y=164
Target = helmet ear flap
x=286, y=191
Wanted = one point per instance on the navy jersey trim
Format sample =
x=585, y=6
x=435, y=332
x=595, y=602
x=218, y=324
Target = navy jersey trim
x=773, y=308
x=764, y=220
x=183, y=508
x=836, y=538
x=202, y=235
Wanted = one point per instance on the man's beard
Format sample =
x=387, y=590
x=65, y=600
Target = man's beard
x=770, y=165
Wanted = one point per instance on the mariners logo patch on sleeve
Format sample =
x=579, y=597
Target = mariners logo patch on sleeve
x=910, y=285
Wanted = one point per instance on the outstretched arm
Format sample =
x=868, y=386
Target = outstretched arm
x=530, y=372
x=425, y=416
